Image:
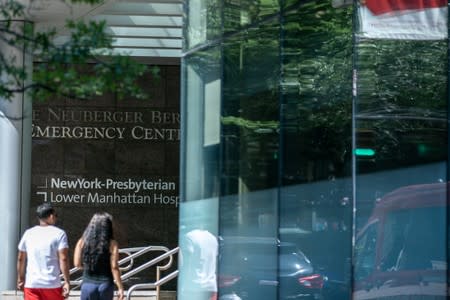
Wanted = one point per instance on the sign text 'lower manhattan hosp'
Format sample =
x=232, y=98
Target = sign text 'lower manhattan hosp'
x=95, y=191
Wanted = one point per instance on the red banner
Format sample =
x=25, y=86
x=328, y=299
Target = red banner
x=403, y=19
x=378, y=7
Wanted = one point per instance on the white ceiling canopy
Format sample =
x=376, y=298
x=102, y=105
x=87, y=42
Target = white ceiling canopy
x=141, y=28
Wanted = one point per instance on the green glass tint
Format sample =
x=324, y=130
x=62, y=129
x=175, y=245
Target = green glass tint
x=315, y=210
x=250, y=109
x=239, y=14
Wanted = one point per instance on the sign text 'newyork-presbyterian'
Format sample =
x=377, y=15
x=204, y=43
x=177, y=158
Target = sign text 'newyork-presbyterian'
x=95, y=191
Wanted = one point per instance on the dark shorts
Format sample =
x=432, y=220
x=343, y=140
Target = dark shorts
x=43, y=294
x=97, y=291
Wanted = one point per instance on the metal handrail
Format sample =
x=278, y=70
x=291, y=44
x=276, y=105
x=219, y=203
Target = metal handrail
x=138, y=251
x=153, y=285
x=151, y=263
x=133, y=253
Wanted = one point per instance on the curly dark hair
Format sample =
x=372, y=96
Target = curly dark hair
x=97, y=237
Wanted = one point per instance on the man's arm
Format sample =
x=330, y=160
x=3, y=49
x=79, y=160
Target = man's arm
x=21, y=258
x=63, y=256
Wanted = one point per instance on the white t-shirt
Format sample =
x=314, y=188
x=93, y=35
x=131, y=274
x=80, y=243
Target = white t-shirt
x=42, y=243
x=202, y=250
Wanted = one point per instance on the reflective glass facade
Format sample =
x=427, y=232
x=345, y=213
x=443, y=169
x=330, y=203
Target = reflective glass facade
x=314, y=151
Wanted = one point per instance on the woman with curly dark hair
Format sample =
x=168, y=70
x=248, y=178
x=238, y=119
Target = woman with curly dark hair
x=97, y=253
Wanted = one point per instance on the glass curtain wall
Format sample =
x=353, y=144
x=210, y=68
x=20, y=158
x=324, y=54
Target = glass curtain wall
x=200, y=162
x=316, y=126
x=314, y=156
x=401, y=148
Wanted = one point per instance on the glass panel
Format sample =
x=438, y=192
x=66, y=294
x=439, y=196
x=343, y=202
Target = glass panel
x=248, y=268
x=198, y=237
x=407, y=243
x=366, y=249
x=249, y=120
x=248, y=263
x=201, y=120
x=239, y=14
x=202, y=22
x=199, y=246
x=401, y=150
x=315, y=204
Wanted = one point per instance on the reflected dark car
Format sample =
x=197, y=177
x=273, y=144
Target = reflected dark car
x=335, y=266
x=263, y=268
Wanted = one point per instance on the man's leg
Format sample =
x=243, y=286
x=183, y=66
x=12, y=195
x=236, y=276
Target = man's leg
x=43, y=294
x=31, y=294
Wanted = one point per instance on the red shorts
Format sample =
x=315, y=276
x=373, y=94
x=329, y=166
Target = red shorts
x=43, y=294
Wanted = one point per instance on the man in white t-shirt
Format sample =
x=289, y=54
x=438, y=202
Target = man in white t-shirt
x=43, y=250
x=198, y=258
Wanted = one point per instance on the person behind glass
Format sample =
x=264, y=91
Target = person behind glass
x=43, y=252
x=97, y=253
x=198, y=261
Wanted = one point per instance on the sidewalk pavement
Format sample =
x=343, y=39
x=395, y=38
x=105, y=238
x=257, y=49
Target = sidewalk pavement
x=75, y=295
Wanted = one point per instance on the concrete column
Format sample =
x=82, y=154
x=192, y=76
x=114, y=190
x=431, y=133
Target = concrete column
x=15, y=164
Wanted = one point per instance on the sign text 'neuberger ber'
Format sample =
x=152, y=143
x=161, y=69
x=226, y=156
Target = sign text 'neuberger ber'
x=105, y=116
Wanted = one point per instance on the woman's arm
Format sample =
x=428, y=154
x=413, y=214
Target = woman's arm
x=114, y=248
x=77, y=255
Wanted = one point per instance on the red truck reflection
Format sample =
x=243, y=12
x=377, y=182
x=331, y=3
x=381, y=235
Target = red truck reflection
x=401, y=253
